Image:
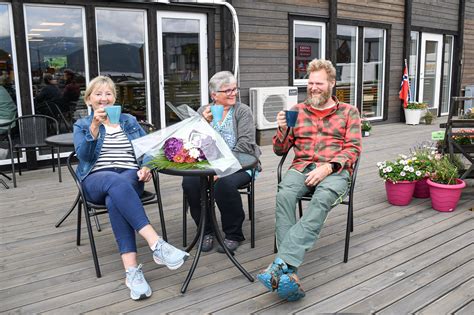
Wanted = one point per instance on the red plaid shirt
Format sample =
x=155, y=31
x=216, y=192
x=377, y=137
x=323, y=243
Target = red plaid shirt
x=335, y=138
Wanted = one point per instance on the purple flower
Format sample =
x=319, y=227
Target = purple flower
x=171, y=147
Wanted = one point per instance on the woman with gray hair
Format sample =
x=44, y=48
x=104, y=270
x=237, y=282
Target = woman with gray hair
x=238, y=131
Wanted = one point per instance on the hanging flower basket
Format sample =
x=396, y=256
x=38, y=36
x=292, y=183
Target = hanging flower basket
x=400, y=193
x=445, y=197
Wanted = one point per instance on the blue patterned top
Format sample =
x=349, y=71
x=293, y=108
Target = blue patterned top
x=226, y=129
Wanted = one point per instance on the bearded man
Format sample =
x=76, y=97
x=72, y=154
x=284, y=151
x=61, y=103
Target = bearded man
x=327, y=142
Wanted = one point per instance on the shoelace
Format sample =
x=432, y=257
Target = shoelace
x=136, y=275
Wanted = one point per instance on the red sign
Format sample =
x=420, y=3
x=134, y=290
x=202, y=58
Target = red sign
x=304, y=51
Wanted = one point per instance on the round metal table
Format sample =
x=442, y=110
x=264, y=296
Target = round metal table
x=247, y=162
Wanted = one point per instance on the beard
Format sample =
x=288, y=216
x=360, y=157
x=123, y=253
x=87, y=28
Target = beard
x=319, y=100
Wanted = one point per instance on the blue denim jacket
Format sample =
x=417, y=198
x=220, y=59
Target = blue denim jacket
x=88, y=148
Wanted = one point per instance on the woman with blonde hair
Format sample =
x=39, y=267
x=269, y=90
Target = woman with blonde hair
x=111, y=174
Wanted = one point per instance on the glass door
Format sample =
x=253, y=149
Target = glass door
x=182, y=62
x=430, y=69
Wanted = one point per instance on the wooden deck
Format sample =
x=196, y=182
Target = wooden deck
x=402, y=259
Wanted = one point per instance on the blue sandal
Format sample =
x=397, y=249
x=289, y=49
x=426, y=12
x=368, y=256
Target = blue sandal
x=289, y=287
x=271, y=276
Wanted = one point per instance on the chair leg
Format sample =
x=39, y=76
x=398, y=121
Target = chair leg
x=18, y=159
x=97, y=222
x=59, y=165
x=92, y=242
x=275, y=250
x=300, y=208
x=79, y=219
x=251, y=200
x=185, y=230
x=348, y=234
x=52, y=160
x=13, y=168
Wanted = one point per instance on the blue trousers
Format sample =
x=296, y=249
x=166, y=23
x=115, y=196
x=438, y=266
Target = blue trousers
x=228, y=200
x=120, y=190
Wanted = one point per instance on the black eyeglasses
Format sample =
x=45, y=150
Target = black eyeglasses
x=229, y=92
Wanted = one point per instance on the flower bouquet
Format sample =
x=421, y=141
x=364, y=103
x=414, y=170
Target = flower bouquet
x=189, y=144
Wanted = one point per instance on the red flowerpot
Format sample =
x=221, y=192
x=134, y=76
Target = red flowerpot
x=445, y=197
x=422, y=190
x=400, y=193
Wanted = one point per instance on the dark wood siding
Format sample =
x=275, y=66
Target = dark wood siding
x=440, y=14
x=468, y=55
x=388, y=12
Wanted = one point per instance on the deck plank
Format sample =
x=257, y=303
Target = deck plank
x=398, y=255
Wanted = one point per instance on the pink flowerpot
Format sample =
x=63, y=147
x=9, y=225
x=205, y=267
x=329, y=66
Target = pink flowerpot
x=422, y=190
x=445, y=197
x=400, y=193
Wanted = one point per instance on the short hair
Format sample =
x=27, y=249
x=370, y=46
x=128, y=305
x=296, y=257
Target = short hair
x=69, y=72
x=99, y=81
x=47, y=77
x=219, y=79
x=322, y=64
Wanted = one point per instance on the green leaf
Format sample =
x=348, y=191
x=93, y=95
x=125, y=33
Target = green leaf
x=161, y=162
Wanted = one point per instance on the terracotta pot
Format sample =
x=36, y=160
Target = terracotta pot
x=422, y=190
x=444, y=197
x=400, y=193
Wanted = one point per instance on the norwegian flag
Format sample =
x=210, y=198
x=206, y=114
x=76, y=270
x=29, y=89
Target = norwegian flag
x=405, y=93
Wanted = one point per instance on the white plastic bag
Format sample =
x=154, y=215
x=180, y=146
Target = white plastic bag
x=217, y=153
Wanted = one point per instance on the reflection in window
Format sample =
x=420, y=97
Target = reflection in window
x=56, y=52
x=373, y=72
x=122, y=55
x=181, y=64
x=447, y=70
x=346, y=66
x=8, y=104
x=413, y=63
x=309, y=43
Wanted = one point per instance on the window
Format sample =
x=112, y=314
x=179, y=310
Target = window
x=309, y=42
x=346, y=65
x=122, y=49
x=56, y=42
x=413, y=63
x=447, y=70
x=8, y=78
x=373, y=72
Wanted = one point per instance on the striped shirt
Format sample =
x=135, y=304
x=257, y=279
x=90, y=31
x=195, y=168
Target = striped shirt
x=117, y=151
x=334, y=138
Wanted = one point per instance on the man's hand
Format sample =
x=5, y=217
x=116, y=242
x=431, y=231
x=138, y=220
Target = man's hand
x=207, y=114
x=318, y=174
x=144, y=174
x=281, y=120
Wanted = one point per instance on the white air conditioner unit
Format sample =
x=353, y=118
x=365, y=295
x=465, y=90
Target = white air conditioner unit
x=266, y=102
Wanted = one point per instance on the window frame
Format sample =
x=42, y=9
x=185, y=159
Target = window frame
x=304, y=20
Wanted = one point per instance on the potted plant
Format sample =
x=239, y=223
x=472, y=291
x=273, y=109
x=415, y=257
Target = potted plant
x=423, y=157
x=445, y=185
x=428, y=117
x=400, y=178
x=413, y=112
x=365, y=126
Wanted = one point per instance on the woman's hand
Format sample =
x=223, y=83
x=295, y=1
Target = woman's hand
x=100, y=117
x=144, y=174
x=207, y=114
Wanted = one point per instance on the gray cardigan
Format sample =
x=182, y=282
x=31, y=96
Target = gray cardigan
x=244, y=129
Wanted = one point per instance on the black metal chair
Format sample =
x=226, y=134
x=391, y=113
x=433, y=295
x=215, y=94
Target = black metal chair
x=51, y=108
x=33, y=130
x=94, y=210
x=247, y=189
x=348, y=201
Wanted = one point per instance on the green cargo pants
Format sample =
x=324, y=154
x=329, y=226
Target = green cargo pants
x=294, y=237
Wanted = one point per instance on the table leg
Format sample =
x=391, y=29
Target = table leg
x=69, y=211
x=199, y=236
x=218, y=234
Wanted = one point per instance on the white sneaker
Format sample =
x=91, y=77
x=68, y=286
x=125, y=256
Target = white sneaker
x=135, y=281
x=166, y=254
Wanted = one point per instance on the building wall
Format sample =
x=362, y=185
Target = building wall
x=467, y=69
x=439, y=14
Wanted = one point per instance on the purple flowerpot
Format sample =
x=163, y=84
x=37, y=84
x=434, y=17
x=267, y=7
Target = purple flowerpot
x=445, y=197
x=422, y=190
x=400, y=193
